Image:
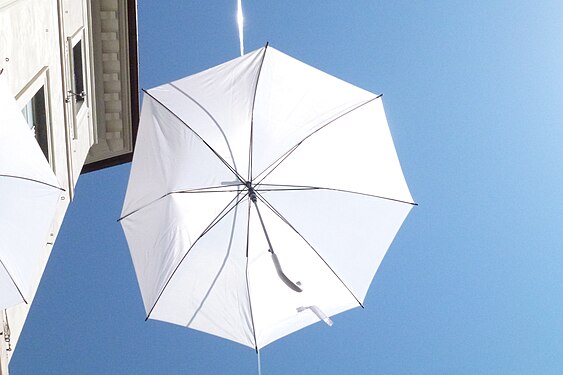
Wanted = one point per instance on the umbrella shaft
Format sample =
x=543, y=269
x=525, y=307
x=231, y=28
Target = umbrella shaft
x=252, y=195
x=294, y=286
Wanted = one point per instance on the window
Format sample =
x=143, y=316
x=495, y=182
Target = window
x=76, y=80
x=77, y=77
x=34, y=102
x=35, y=113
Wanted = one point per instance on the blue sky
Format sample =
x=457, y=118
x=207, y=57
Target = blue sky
x=472, y=284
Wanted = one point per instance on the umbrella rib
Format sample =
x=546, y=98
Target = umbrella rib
x=13, y=281
x=280, y=160
x=214, y=282
x=299, y=188
x=233, y=170
x=191, y=191
x=251, y=143
x=224, y=212
x=207, y=190
x=32, y=180
x=311, y=246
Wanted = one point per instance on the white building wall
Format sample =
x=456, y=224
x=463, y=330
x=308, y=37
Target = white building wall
x=36, y=39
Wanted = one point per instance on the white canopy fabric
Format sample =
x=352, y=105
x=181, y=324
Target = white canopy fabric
x=29, y=192
x=262, y=198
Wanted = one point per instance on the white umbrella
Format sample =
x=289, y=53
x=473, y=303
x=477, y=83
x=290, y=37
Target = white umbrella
x=262, y=198
x=29, y=192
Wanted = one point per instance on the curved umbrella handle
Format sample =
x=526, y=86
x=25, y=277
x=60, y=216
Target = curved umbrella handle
x=282, y=275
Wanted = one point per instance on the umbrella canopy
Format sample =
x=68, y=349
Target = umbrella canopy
x=262, y=198
x=29, y=192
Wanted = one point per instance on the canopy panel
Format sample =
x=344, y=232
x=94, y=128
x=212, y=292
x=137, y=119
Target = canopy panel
x=29, y=194
x=275, y=306
x=353, y=153
x=293, y=100
x=208, y=291
x=351, y=232
x=162, y=233
x=27, y=211
x=171, y=157
x=217, y=104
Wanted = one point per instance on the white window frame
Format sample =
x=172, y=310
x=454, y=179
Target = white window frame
x=40, y=80
x=78, y=116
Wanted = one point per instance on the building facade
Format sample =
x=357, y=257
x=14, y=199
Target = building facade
x=72, y=67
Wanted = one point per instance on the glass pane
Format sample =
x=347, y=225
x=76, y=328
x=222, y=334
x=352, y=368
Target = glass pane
x=78, y=76
x=40, y=121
